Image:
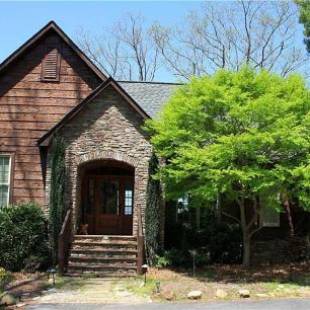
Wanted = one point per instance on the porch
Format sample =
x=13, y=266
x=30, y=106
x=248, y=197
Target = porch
x=98, y=235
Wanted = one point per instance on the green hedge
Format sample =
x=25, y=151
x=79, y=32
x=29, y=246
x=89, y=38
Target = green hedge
x=23, y=235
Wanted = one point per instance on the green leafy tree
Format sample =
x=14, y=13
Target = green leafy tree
x=241, y=134
x=304, y=18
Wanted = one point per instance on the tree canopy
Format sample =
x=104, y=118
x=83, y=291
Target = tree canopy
x=304, y=7
x=243, y=134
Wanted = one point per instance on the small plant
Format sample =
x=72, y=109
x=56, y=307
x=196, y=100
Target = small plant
x=162, y=261
x=5, y=278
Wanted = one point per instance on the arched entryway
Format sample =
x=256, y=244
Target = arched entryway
x=107, y=194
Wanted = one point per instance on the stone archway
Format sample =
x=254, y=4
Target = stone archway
x=139, y=181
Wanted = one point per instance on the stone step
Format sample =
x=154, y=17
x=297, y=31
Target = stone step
x=103, y=260
x=105, y=238
x=94, y=267
x=103, y=274
x=117, y=244
x=103, y=251
x=108, y=256
x=103, y=256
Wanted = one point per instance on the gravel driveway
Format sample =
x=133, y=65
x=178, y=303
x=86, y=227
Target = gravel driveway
x=284, y=304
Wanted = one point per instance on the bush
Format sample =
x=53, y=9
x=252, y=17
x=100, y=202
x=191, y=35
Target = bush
x=23, y=233
x=215, y=241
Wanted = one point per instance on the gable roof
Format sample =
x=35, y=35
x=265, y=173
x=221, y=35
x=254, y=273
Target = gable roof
x=51, y=26
x=45, y=139
x=151, y=96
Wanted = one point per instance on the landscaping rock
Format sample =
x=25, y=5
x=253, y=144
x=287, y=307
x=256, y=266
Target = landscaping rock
x=194, y=295
x=260, y=295
x=168, y=295
x=244, y=293
x=221, y=293
x=8, y=300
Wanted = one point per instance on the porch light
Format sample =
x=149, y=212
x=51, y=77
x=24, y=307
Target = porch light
x=145, y=268
x=52, y=271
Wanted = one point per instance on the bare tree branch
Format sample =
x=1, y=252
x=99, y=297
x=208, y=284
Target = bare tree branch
x=230, y=34
x=124, y=51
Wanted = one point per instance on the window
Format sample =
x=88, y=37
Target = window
x=51, y=66
x=5, y=167
x=270, y=217
x=128, y=200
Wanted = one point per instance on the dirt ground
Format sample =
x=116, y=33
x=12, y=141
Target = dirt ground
x=265, y=282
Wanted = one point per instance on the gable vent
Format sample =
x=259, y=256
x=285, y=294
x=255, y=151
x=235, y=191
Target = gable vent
x=51, y=66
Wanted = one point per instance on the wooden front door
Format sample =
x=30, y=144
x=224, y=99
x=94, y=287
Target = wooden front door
x=109, y=205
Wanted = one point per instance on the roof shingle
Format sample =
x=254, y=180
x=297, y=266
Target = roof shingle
x=150, y=96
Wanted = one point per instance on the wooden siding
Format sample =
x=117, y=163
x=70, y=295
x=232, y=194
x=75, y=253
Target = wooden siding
x=29, y=107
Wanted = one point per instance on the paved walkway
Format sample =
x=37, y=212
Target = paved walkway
x=289, y=304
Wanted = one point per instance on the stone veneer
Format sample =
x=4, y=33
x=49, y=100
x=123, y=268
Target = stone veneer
x=107, y=128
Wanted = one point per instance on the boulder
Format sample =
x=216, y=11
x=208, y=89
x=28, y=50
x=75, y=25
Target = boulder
x=168, y=295
x=8, y=300
x=244, y=293
x=194, y=295
x=221, y=293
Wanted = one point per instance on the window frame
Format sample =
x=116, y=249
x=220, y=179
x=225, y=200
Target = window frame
x=264, y=223
x=10, y=177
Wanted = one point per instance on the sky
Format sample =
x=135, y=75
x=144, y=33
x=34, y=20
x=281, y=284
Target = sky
x=20, y=20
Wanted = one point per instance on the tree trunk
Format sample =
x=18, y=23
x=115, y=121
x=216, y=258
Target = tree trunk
x=287, y=207
x=246, y=260
x=246, y=238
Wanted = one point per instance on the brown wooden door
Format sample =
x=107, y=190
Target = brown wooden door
x=111, y=200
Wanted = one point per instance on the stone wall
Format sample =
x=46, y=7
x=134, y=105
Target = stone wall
x=107, y=128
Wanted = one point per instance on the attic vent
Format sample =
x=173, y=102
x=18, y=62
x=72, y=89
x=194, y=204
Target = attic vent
x=51, y=66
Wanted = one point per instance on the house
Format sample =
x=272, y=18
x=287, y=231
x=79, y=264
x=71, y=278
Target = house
x=48, y=88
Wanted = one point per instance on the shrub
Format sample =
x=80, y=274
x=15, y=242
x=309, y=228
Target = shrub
x=22, y=233
x=215, y=241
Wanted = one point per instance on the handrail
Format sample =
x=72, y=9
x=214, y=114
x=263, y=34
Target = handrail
x=140, y=241
x=64, y=241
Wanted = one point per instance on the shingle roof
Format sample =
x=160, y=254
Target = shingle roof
x=151, y=96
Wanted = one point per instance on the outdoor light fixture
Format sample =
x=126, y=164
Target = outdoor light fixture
x=157, y=284
x=145, y=268
x=194, y=254
x=52, y=271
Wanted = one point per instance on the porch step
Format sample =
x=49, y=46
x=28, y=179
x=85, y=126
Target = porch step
x=100, y=255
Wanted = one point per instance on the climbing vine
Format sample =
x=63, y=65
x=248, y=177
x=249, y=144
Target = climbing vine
x=57, y=192
x=152, y=212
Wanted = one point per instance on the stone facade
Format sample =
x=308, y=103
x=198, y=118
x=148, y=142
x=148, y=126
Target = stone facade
x=107, y=128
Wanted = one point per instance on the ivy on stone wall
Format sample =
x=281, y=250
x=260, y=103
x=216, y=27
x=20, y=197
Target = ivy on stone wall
x=153, y=212
x=57, y=192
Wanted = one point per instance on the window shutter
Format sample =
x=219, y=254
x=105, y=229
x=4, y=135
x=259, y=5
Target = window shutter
x=51, y=66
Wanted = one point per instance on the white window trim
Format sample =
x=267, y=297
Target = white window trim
x=8, y=184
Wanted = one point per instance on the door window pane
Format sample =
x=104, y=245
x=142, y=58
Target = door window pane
x=109, y=192
x=128, y=200
x=4, y=179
